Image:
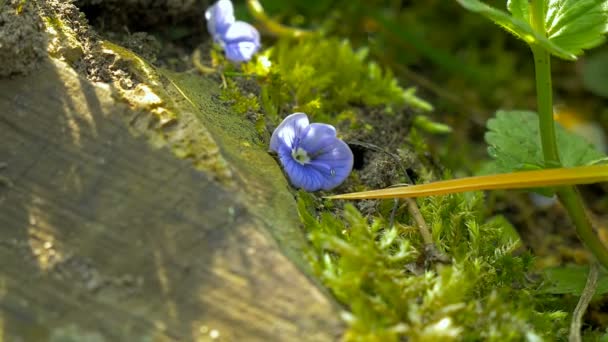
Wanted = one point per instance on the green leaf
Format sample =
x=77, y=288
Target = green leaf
x=577, y=25
x=519, y=9
x=571, y=280
x=514, y=142
x=517, y=24
x=595, y=73
x=573, y=25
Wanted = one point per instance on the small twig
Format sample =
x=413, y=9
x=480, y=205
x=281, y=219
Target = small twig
x=583, y=302
x=272, y=26
x=412, y=206
x=202, y=68
x=196, y=60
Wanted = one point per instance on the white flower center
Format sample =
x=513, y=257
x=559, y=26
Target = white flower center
x=300, y=155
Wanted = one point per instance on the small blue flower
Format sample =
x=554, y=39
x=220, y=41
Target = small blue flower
x=240, y=42
x=239, y=39
x=219, y=17
x=311, y=154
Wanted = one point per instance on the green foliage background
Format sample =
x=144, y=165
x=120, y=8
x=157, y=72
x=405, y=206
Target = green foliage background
x=389, y=287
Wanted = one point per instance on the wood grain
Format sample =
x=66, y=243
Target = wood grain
x=105, y=238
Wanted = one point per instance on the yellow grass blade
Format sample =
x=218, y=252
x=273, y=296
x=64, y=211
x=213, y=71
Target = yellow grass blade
x=515, y=180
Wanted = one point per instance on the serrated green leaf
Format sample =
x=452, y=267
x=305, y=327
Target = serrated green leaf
x=513, y=140
x=595, y=73
x=517, y=26
x=573, y=25
x=577, y=25
x=571, y=280
x=519, y=9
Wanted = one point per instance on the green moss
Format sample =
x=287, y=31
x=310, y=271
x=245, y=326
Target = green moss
x=391, y=290
x=241, y=102
x=326, y=78
x=379, y=273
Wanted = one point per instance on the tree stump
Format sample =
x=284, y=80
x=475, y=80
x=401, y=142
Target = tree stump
x=105, y=237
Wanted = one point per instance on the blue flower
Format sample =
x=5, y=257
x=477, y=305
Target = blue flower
x=239, y=39
x=311, y=154
x=240, y=42
x=219, y=18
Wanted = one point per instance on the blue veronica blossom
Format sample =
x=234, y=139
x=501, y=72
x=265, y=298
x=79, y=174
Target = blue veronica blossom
x=239, y=39
x=311, y=154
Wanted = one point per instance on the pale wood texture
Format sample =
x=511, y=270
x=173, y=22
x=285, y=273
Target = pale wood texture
x=105, y=238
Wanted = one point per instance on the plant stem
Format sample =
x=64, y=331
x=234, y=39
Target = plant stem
x=274, y=27
x=569, y=196
x=537, y=16
x=544, y=88
x=572, y=201
x=581, y=307
x=412, y=207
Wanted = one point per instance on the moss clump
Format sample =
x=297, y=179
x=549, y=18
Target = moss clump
x=379, y=273
x=241, y=103
x=325, y=77
x=392, y=288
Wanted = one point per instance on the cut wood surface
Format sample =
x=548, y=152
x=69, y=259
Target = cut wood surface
x=106, y=238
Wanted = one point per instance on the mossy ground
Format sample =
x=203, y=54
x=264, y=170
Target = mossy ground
x=378, y=264
x=390, y=290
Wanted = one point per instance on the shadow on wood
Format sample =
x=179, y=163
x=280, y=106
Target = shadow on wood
x=104, y=237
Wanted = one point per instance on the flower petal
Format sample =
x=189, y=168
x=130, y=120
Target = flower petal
x=334, y=164
x=317, y=137
x=300, y=176
x=331, y=160
x=240, y=31
x=240, y=42
x=240, y=52
x=288, y=132
x=219, y=18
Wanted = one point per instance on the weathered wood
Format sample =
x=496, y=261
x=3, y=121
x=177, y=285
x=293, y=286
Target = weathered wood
x=103, y=236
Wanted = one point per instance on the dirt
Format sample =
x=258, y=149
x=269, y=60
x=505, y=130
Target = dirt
x=75, y=41
x=383, y=156
x=22, y=38
x=80, y=45
x=178, y=26
x=149, y=13
x=174, y=28
x=144, y=44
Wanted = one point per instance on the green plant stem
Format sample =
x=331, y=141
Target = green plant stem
x=544, y=89
x=274, y=27
x=569, y=196
x=537, y=16
x=572, y=201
